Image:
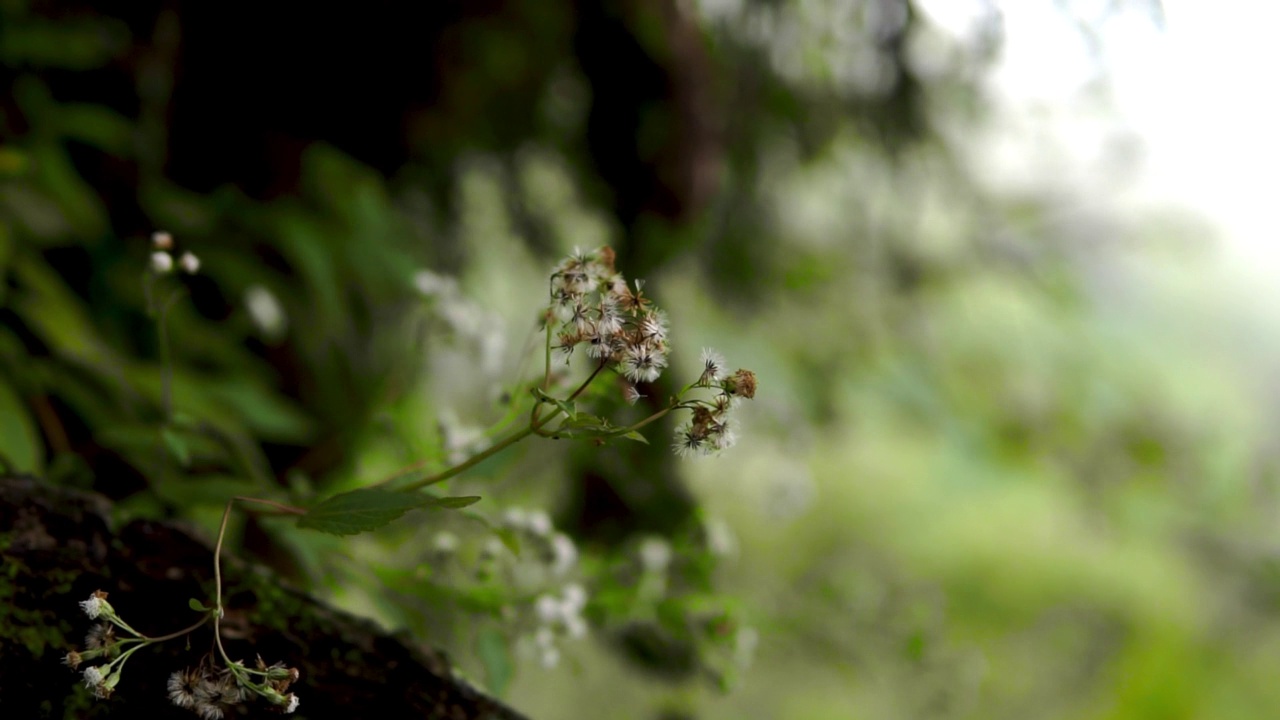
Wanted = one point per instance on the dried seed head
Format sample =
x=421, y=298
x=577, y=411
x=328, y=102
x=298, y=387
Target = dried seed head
x=742, y=383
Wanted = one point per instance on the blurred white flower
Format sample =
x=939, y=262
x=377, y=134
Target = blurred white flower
x=575, y=598
x=445, y=542
x=266, y=312
x=655, y=554
x=564, y=554
x=538, y=522
x=190, y=263
x=161, y=263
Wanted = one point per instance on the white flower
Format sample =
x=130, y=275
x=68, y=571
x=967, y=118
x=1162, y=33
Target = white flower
x=95, y=606
x=689, y=443
x=721, y=540
x=641, y=363
x=655, y=554
x=515, y=518
x=575, y=626
x=433, y=285
x=92, y=677
x=713, y=367
x=293, y=703
x=564, y=554
x=544, y=638
x=493, y=548
x=654, y=326
x=445, y=542
x=538, y=523
x=547, y=609
x=265, y=311
x=161, y=240
x=549, y=658
x=575, y=598
x=725, y=436
x=180, y=688
x=190, y=263
x=161, y=262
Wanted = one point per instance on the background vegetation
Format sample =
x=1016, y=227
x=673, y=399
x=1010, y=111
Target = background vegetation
x=982, y=477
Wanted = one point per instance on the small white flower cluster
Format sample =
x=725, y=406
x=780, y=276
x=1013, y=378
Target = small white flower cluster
x=206, y=691
x=559, y=616
x=210, y=692
x=597, y=308
x=162, y=262
x=101, y=642
x=557, y=549
x=556, y=611
x=712, y=429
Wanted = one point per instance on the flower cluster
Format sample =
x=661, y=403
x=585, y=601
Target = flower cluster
x=162, y=262
x=617, y=324
x=206, y=690
x=559, y=616
x=101, y=643
x=210, y=692
x=712, y=429
x=545, y=605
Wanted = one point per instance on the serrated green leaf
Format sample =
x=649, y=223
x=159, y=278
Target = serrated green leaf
x=362, y=510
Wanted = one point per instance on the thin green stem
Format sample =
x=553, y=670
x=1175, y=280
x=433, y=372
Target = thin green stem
x=166, y=361
x=546, y=353
x=587, y=382
x=217, y=562
x=474, y=459
x=536, y=422
x=179, y=633
x=115, y=620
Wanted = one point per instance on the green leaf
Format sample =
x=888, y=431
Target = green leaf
x=20, y=443
x=196, y=605
x=370, y=508
x=177, y=446
x=491, y=646
x=454, y=503
x=361, y=510
x=635, y=435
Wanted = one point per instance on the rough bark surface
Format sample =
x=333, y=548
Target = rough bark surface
x=57, y=546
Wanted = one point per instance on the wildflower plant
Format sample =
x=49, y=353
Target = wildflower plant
x=592, y=311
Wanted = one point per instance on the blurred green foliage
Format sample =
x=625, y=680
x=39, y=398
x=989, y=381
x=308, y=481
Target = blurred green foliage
x=978, y=482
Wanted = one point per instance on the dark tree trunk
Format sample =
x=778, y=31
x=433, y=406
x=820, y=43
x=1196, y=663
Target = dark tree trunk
x=58, y=546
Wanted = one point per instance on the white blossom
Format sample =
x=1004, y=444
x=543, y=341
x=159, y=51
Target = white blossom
x=564, y=554
x=95, y=606
x=190, y=263
x=161, y=262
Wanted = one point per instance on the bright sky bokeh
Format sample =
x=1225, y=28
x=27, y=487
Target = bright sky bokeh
x=1195, y=92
